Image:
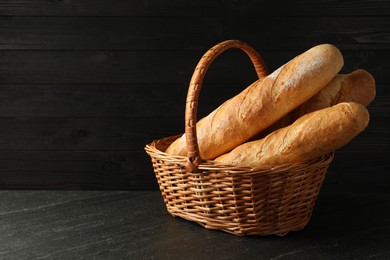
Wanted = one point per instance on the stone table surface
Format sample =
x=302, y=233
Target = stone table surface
x=49, y=224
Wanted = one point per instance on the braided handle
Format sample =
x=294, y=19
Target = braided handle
x=193, y=155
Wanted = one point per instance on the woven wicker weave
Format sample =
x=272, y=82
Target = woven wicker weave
x=239, y=200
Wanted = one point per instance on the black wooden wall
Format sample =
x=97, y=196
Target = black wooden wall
x=85, y=84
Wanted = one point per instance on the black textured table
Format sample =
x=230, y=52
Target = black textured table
x=136, y=225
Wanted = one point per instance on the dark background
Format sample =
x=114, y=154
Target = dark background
x=84, y=85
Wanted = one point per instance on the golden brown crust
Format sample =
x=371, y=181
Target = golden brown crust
x=358, y=86
x=311, y=136
x=264, y=102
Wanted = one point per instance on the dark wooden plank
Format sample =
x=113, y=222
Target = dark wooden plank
x=85, y=133
x=381, y=104
x=76, y=170
x=359, y=171
x=107, y=8
x=130, y=133
x=107, y=33
x=373, y=138
x=109, y=67
x=350, y=170
x=259, y=9
x=186, y=33
x=193, y=8
x=291, y=33
x=67, y=100
x=157, y=67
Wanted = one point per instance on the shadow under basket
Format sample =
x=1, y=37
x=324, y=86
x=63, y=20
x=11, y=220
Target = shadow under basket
x=270, y=200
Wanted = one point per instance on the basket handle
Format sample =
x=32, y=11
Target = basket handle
x=193, y=156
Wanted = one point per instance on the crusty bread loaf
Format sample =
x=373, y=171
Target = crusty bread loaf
x=358, y=86
x=311, y=136
x=264, y=102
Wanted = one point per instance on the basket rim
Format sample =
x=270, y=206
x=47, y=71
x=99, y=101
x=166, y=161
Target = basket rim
x=156, y=151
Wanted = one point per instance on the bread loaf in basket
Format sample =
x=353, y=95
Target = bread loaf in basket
x=266, y=199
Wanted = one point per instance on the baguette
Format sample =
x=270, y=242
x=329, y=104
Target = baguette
x=311, y=136
x=264, y=102
x=358, y=86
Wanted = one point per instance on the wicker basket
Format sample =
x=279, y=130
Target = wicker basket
x=239, y=200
